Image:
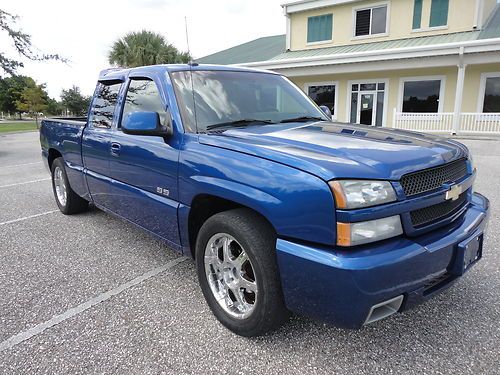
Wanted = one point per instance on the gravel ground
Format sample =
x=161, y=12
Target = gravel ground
x=52, y=263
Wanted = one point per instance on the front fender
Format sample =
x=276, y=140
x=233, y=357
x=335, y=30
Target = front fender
x=297, y=204
x=238, y=193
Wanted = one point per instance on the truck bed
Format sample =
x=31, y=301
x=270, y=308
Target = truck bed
x=66, y=132
x=65, y=135
x=80, y=121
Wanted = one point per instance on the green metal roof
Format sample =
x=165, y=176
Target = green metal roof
x=377, y=46
x=261, y=49
x=272, y=48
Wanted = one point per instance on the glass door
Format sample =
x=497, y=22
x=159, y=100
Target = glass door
x=366, y=109
x=367, y=103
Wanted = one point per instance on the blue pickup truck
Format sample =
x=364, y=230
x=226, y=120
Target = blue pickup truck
x=282, y=209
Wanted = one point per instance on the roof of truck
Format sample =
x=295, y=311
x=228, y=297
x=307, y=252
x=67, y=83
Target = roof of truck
x=120, y=74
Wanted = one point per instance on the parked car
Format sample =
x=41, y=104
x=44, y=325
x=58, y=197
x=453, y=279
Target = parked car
x=282, y=209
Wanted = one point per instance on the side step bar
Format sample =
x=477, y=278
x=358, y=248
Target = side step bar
x=384, y=309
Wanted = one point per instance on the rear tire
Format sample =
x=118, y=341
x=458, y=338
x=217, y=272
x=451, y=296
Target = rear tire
x=67, y=200
x=238, y=272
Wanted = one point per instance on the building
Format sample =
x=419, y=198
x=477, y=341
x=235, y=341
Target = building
x=430, y=65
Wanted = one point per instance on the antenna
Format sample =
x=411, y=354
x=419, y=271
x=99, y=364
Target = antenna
x=187, y=40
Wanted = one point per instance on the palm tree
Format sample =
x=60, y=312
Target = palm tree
x=145, y=48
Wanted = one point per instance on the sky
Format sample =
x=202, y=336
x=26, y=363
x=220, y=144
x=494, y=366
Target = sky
x=83, y=31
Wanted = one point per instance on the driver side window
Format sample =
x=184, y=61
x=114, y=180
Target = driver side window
x=143, y=96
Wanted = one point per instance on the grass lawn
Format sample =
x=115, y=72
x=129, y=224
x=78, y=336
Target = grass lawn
x=21, y=126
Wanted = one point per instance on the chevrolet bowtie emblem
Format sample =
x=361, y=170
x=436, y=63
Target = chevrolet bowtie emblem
x=454, y=192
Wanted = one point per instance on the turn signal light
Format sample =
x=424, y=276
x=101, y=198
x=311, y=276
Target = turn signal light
x=352, y=234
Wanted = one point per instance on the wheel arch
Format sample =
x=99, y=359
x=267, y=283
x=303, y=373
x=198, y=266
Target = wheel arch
x=204, y=206
x=53, y=154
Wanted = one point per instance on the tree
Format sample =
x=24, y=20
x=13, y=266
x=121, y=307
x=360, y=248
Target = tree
x=74, y=101
x=145, y=48
x=54, y=107
x=21, y=43
x=11, y=89
x=33, y=101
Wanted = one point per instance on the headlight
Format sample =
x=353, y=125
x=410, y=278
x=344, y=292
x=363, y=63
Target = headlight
x=352, y=234
x=359, y=193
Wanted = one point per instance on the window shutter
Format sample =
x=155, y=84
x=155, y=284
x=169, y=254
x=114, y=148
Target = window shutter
x=328, y=26
x=319, y=28
x=311, y=29
x=439, y=13
x=363, y=22
x=417, y=14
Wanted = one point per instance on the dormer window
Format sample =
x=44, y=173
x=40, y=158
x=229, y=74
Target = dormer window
x=320, y=28
x=370, y=21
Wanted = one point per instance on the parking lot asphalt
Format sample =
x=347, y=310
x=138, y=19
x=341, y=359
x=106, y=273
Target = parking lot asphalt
x=92, y=294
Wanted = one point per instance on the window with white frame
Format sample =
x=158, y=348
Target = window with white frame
x=491, y=93
x=324, y=93
x=421, y=95
x=370, y=21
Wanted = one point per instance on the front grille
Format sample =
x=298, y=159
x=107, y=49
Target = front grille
x=438, y=211
x=433, y=178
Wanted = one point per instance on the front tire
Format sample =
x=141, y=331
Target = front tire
x=67, y=200
x=238, y=273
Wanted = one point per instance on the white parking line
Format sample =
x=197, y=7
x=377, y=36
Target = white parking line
x=24, y=183
x=38, y=329
x=19, y=165
x=27, y=217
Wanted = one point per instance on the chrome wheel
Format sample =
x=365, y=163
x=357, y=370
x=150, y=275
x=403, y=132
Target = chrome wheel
x=60, y=186
x=230, y=275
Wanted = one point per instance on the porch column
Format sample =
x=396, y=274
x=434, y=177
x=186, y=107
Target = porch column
x=458, y=97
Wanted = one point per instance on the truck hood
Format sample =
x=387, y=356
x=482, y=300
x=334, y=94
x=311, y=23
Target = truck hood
x=335, y=150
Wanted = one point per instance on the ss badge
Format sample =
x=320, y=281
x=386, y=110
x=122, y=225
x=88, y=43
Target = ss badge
x=163, y=191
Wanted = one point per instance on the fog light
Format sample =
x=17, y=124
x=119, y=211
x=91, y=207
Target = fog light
x=352, y=234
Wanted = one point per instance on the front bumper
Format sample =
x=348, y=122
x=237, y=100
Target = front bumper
x=341, y=286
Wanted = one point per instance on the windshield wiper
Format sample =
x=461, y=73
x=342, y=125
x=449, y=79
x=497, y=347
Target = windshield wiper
x=303, y=119
x=238, y=123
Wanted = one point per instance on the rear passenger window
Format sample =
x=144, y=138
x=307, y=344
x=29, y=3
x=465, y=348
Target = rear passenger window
x=103, y=107
x=143, y=96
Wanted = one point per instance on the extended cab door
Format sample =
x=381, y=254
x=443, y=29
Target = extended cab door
x=144, y=168
x=96, y=141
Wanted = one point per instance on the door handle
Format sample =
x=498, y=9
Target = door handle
x=115, y=148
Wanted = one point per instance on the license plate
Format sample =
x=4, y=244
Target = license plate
x=467, y=254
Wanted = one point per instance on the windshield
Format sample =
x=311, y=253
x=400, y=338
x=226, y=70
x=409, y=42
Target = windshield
x=231, y=98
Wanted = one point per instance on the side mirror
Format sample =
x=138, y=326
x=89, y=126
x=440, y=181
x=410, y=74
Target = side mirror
x=326, y=111
x=144, y=123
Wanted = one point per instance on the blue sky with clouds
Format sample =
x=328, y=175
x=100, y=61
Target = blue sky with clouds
x=83, y=31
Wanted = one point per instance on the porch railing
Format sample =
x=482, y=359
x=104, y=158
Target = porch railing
x=469, y=123
x=486, y=123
